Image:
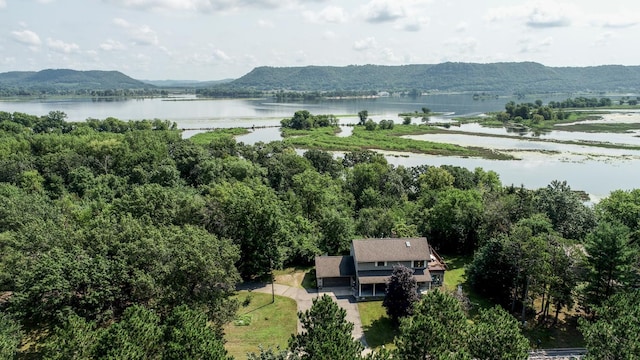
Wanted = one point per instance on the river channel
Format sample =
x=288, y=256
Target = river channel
x=596, y=170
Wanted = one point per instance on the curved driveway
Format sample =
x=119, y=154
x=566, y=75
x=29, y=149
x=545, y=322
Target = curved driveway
x=304, y=299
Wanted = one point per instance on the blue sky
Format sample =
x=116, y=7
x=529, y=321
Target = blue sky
x=216, y=39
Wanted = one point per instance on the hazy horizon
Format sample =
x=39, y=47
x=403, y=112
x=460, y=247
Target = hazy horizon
x=220, y=39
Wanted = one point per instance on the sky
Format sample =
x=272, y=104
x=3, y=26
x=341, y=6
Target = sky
x=220, y=39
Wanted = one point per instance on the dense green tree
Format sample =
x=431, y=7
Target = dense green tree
x=363, y=115
x=370, y=125
x=454, y=219
x=188, y=336
x=569, y=216
x=435, y=178
x=615, y=332
x=491, y=272
x=496, y=335
x=10, y=336
x=323, y=162
x=611, y=263
x=138, y=335
x=401, y=294
x=336, y=231
x=251, y=215
x=326, y=333
x=624, y=207
x=437, y=330
x=75, y=339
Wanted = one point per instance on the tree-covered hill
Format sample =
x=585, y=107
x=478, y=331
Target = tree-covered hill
x=496, y=77
x=61, y=80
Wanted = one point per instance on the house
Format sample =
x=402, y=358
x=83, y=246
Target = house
x=370, y=264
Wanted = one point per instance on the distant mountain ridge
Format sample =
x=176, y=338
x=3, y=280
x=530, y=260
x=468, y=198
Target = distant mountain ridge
x=505, y=77
x=449, y=76
x=69, y=79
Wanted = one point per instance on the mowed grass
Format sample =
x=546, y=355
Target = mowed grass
x=271, y=324
x=377, y=327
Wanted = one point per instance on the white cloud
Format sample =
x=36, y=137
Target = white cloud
x=202, y=6
x=462, y=26
x=144, y=35
x=389, y=56
x=27, y=37
x=300, y=57
x=542, y=17
x=3, y=4
x=61, y=46
x=8, y=60
x=329, y=35
x=529, y=46
x=330, y=14
x=462, y=45
x=121, y=22
x=365, y=44
x=539, y=14
x=139, y=34
x=220, y=55
x=413, y=24
x=112, y=45
x=378, y=11
x=265, y=24
x=617, y=21
x=603, y=38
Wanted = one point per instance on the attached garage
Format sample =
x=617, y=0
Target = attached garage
x=334, y=271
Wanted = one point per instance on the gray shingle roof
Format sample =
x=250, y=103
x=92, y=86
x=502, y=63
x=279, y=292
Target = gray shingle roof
x=391, y=249
x=334, y=266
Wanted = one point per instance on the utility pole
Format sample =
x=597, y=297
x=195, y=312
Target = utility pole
x=273, y=292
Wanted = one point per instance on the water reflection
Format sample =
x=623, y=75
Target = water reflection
x=598, y=178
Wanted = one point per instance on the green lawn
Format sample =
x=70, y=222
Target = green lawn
x=270, y=324
x=377, y=327
x=455, y=276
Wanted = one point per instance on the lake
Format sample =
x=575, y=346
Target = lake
x=597, y=171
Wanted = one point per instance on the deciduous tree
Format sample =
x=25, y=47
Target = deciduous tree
x=401, y=294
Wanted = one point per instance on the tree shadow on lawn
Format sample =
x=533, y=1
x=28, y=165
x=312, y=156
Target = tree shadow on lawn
x=565, y=334
x=380, y=332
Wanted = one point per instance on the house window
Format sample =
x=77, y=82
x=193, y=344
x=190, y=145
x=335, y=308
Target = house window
x=418, y=263
x=381, y=263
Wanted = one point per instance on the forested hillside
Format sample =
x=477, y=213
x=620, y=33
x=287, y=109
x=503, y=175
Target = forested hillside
x=494, y=77
x=123, y=240
x=64, y=81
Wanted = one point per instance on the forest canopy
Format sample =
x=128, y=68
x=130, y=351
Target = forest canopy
x=108, y=227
